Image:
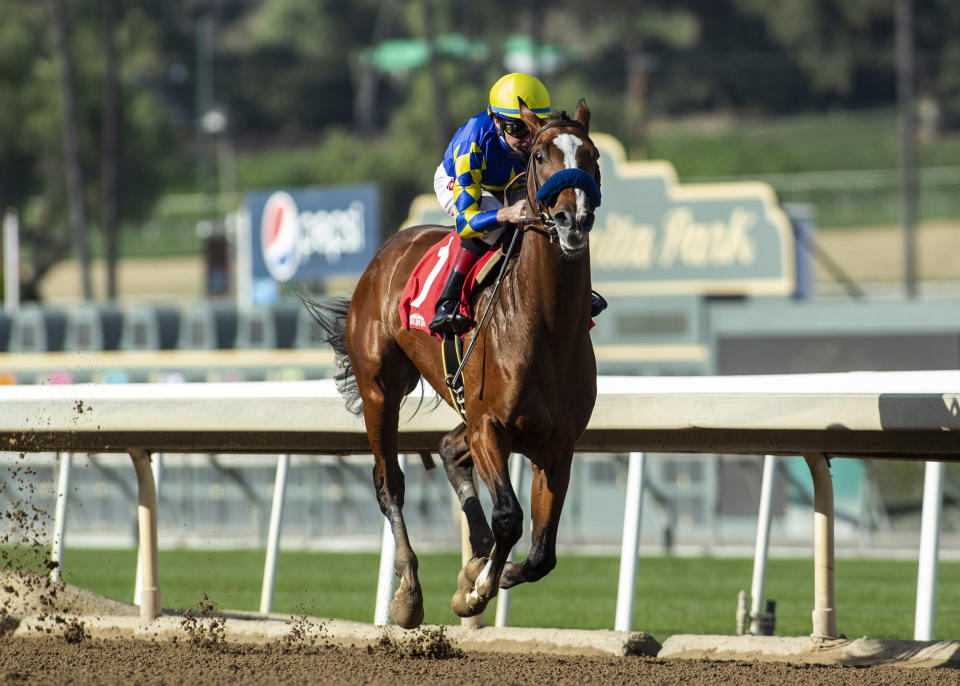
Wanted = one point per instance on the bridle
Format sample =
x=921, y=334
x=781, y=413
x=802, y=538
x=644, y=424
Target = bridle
x=547, y=226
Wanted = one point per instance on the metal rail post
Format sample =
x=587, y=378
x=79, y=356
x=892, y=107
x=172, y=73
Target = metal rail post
x=156, y=467
x=60, y=517
x=147, y=517
x=824, y=610
x=929, y=549
x=633, y=509
x=273, y=537
x=761, y=553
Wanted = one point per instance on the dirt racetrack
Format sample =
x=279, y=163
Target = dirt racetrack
x=52, y=660
x=48, y=635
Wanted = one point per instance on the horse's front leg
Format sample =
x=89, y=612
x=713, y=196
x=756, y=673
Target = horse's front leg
x=547, y=493
x=458, y=465
x=479, y=579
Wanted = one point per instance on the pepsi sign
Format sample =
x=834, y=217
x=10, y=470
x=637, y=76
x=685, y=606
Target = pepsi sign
x=311, y=233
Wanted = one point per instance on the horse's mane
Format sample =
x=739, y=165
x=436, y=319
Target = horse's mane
x=558, y=116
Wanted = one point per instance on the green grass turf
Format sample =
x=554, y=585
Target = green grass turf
x=794, y=143
x=674, y=594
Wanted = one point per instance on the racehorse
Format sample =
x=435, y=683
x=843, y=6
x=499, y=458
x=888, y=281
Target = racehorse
x=530, y=382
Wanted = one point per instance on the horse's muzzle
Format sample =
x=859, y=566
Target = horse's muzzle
x=573, y=230
x=566, y=221
x=586, y=221
x=572, y=240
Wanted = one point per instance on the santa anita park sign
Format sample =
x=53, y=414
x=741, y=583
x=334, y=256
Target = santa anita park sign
x=654, y=235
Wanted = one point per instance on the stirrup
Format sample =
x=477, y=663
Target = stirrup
x=448, y=319
x=442, y=321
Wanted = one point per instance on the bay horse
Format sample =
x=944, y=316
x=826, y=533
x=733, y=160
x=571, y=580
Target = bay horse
x=530, y=384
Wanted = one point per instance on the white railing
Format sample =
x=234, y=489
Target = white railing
x=899, y=415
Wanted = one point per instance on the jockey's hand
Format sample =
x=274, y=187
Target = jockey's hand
x=515, y=214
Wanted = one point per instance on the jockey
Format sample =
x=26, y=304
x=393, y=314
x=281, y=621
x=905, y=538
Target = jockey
x=485, y=155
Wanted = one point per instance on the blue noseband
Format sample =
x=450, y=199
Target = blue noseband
x=568, y=178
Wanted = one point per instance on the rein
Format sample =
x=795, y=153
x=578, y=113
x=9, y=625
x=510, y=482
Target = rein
x=547, y=228
x=452, y=382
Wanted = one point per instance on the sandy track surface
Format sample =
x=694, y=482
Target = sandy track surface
x=65, y=653
x=53, y=660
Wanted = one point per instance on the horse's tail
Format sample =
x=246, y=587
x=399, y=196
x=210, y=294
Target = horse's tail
x=331, y=315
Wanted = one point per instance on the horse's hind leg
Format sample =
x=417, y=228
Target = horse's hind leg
x=381, y=410
x=459, y=467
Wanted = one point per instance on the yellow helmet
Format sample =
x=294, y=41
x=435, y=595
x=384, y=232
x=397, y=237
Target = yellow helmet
x=504, y=94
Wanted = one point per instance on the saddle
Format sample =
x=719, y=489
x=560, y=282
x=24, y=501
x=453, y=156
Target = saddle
x=419, y=297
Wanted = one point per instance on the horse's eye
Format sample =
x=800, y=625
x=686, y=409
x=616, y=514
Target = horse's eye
x=538, y=156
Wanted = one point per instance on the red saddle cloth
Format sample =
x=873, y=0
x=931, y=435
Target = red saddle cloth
x=419, y=298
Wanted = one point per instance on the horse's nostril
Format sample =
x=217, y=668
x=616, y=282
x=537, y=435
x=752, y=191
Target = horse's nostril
x=562, y=218
x=587, y=222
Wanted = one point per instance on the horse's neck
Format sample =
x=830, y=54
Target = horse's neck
x=554, y=291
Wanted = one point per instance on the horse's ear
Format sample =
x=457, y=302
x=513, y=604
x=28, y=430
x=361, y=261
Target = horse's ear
x=532, y=121
x=583, y=114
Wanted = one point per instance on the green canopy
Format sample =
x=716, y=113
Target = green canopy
x=405, y=54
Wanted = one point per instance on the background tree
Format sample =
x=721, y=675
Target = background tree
x=30, y=136
x=937, y=45
x=294, y=78
x=110, y=149
x=71, y=149
x=33, y=153
x=621, y=46
x=844, y=48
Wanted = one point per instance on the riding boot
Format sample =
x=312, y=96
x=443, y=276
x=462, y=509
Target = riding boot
x=448, y=318
x=597, y=304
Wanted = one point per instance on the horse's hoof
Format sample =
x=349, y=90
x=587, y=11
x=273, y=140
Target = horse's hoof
x=468, y=575
x=467, y=604
x=512, y=575
x=406, y=608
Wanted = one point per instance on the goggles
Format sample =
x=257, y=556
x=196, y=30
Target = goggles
x=515, y=127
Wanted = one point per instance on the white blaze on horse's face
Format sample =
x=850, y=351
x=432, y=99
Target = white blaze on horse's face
x=569, y=144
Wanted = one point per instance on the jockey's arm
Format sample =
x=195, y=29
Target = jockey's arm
x=472, y=222
x=467, y=195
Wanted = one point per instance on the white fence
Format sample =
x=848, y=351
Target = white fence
x=898, y=415
x=859, y=196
